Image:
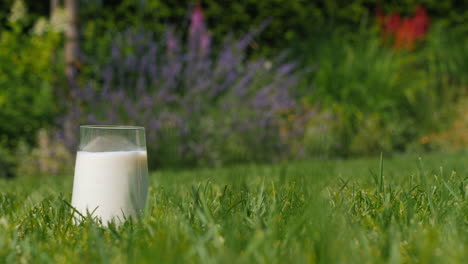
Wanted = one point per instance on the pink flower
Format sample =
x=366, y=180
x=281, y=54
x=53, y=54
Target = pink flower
x=200, y=38
x=197, y=21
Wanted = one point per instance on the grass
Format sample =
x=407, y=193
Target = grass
x=401, y=210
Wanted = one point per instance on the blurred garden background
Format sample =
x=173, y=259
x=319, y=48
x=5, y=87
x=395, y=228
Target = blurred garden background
x=225, y=82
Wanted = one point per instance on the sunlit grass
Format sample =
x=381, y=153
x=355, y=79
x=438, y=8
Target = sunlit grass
x=360, y=211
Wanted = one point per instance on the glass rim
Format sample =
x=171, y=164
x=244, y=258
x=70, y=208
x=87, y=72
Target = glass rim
x=117, y=127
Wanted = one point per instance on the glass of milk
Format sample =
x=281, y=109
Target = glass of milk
x=111, y=173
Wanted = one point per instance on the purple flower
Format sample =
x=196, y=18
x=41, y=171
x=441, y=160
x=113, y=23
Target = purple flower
x=191, y=98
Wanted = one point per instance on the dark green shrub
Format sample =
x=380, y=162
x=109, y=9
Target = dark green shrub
x=7, y=162
x=290, y=19
x=27, y=74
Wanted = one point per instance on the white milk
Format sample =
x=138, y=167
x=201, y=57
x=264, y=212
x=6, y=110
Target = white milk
x=112, y=184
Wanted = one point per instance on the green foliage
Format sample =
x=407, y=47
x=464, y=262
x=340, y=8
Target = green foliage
x=446, y=58
x=27, y=74
x=7, y=162
x=311, y=212
x=373, y=98
x=28, y=71
x=383, y=99
x=289, y=19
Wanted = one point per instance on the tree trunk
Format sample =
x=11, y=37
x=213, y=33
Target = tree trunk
x=71, y=42
x=53, y=6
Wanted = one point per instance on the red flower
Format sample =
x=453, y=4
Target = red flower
x=405, y=32
x=393, y=23
x=420, y=22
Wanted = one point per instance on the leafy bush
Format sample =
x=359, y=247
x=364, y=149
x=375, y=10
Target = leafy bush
x=7, y=162
x=27, y=75
x=198, y=107
x=289, y=18
x=383, y=98
x=446, y=59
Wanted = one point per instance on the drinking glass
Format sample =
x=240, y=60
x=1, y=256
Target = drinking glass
x=111, y=173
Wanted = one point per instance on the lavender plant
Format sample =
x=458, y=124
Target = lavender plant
x=199, y=106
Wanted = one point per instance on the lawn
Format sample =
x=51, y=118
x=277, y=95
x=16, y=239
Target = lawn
x=336, y=211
